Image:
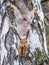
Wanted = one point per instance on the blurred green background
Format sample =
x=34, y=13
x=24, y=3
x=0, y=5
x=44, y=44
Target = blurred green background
x=45, y=6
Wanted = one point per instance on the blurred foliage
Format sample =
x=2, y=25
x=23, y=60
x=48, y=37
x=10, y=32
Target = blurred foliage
x=40, y=57
x=48, y=49
x=47, y=31
x=29, y=4
x=8, y=8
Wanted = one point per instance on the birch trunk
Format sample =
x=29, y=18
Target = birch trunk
x=20, y=20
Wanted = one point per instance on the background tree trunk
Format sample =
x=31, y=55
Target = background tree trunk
x=15, y=18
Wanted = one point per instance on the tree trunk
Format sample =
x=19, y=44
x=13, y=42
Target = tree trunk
x=19, y=19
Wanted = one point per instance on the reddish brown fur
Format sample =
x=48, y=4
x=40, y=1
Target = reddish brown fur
x=23, y=43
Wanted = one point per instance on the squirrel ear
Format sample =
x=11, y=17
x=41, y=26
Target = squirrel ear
x=27, y=34
x=18, y=35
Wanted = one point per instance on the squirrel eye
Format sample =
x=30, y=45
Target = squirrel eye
x=26, y=41
x=20, y=41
